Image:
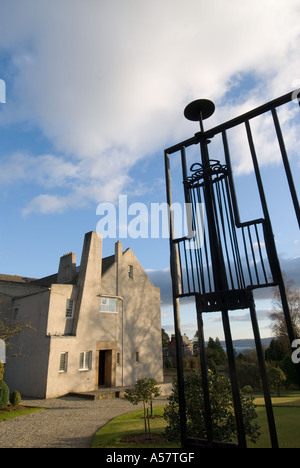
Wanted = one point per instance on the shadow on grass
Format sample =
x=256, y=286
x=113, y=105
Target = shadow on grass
x=286, y=412
x=112, y=435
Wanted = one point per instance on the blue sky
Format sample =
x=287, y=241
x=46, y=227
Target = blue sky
x=95, y=91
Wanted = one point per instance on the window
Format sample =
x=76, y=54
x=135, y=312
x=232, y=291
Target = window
x=69, y=308
x=137, y=356
x=63, y=362
x=130, y=271
x=108, y=304
x=118, y=358
x=85, y=360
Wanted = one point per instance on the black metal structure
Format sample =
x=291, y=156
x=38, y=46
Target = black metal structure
x=225, y=259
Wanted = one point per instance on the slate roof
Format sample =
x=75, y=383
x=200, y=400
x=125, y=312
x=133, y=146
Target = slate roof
x=107, y=262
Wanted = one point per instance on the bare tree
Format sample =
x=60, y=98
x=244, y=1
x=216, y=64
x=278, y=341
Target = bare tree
x=11, y=328
x=277, y=316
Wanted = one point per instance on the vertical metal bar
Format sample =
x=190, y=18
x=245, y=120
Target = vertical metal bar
x=253, y=254
x=247, y=256
x=260, y=255
x=286, y=165
x=197, y=246
x=239, y=267
x=230, y=178
x=234, y=382
x=175, y=287
x=217, y=261
x=264, y=378
x=207, y=406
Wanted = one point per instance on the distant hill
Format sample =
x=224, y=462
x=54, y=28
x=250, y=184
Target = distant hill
x=242, y=345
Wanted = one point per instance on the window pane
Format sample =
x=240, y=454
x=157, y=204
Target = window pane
x=63, y=362
x=130, y=271
x=85, y=360
x=108, y=304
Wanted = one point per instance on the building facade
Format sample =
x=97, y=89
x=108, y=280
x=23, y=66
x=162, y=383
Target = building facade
x=169, y=353
x=94, y=325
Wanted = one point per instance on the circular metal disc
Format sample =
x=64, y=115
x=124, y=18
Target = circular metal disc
x=200, y=107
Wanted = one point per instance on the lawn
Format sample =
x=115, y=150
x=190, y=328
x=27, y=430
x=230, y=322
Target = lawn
x=16, y=411
x=286, y=413
x=111, y=435
x=287, y=418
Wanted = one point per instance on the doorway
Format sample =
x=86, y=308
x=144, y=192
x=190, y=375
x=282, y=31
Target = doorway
x=105, y=368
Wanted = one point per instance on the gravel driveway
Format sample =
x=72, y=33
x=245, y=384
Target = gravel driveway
x=68, y=422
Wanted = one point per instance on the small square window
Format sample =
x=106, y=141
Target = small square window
x=130, y=271
x=63, y=362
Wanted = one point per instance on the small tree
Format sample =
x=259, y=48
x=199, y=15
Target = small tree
x=145, y=390
x=277, y=316
x=276, y=378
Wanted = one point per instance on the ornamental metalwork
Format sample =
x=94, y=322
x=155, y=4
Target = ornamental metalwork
x=226, y=259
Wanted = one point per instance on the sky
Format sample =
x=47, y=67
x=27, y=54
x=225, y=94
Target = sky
x=95, y=91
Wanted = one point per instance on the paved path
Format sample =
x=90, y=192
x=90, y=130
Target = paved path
x=68, y=422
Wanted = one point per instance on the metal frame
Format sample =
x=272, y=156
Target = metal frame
x=212, y=271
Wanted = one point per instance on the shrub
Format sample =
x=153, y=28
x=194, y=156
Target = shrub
x=1, y=370
x=222, y=411
x=15, y=398
x=4, y=395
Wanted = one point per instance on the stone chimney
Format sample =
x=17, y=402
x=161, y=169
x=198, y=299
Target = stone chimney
x=89, y=278
x=118, y=261
x=118, y=251
x=67, y=268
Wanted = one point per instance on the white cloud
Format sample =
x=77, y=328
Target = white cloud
x=107, y=82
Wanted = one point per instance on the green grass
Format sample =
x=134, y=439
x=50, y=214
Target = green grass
x=287, y=425
x=287, y=419
x=286, y=413
x=110, y=435
x=16, y=412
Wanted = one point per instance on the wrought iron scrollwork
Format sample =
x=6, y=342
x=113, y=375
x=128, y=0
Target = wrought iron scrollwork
x=215, y=170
